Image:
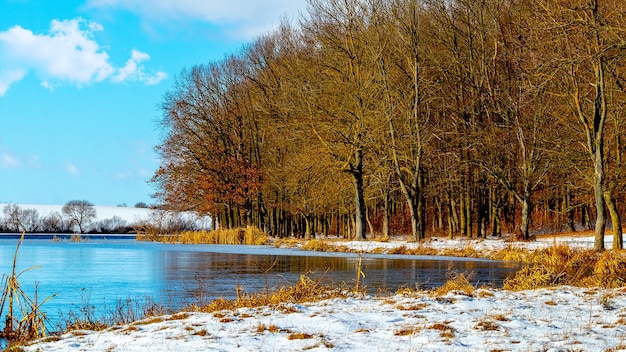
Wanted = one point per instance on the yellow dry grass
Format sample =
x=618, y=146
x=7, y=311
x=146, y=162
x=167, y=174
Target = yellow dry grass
x=247, y=236
x=457, y=284
x=306, y=290
x=561, y=265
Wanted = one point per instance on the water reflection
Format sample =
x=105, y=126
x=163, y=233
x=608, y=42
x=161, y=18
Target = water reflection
x=218, y=274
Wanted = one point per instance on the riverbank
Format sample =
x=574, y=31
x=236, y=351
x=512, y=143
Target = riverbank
x=487, y=248
x=475, y=319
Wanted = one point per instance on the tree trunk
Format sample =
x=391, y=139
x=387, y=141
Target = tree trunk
x=386, y=212
x=569, y=211
x=308, y=227
x=414, y=221
x=598, y=190
x=454, y=217
x=526, y=209
x=462, y=212
x=468, y=213
x=369, y=222
x=359, y=197
x=615, y=220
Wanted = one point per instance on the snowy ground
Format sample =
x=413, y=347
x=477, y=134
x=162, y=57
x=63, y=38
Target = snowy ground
x=480, y=245
x=560, y=319
x=542, y=320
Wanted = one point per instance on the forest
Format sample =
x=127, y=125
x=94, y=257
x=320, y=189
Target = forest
x=376, y=118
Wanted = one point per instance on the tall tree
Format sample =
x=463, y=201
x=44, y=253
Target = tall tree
x=339, y=89
x=587, y=41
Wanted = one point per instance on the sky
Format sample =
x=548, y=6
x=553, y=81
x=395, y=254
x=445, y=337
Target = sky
x=82, y=81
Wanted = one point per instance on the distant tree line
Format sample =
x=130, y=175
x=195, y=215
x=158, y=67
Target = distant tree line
x=469, y=118
x=79, y=216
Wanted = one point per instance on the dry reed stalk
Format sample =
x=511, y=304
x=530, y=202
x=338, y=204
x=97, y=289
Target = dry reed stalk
x=24, y=319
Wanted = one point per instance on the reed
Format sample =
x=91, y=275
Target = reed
x=305, y=290
x=561, y=265
x=125, y=311
x=24, y=318
x=239, y=236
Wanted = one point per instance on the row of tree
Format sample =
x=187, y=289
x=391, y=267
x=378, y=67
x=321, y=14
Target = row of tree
x=76, y=216
x=381, y=116
x=80, y=216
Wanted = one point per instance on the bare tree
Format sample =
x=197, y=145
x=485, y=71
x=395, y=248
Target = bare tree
x=80, y=213
x=13, y=218
x=53, y=222
x=30, y=220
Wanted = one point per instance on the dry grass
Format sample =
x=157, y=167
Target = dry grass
x=240, y=236
x=306, y=290
x=446, y=331
x=513, y=254
x=324, y=246
x=561, y=265
x=299, y=336
x=24, y=319
x=486, y=325
x=457, y=284
x=125, y=311
x=406, y=331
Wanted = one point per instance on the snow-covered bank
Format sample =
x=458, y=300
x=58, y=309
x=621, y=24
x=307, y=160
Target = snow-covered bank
x=559, y=319
x=481, y=245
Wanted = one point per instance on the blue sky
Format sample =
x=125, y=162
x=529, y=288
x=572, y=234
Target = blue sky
x=81, y=83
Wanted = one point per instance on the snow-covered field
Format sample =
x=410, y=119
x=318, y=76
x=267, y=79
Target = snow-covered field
x=129, y=214
x=560, y=319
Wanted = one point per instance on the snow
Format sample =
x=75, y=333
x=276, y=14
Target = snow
x=556, y=319
x=482, y=245
x=564, y=318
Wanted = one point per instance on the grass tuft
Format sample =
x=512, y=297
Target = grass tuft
x=459, y=283
x=299, y=336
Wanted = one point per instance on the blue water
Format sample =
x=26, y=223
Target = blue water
x=104, y=271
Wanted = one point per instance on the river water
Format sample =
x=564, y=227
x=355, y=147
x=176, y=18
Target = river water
x=105, y=271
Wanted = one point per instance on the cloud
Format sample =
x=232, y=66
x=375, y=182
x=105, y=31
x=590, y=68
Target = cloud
x=241, y=19
x=9, y=161
x=8, y=77
x=72, y=169
x=133, y=70
x=68, y=53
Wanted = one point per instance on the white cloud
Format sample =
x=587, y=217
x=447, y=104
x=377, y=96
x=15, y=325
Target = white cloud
x=244, y=18
x=134, y=71
x=9, y=161
x=68, y=53
x=12, y=160
x=72, y=169
x=8, y=77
